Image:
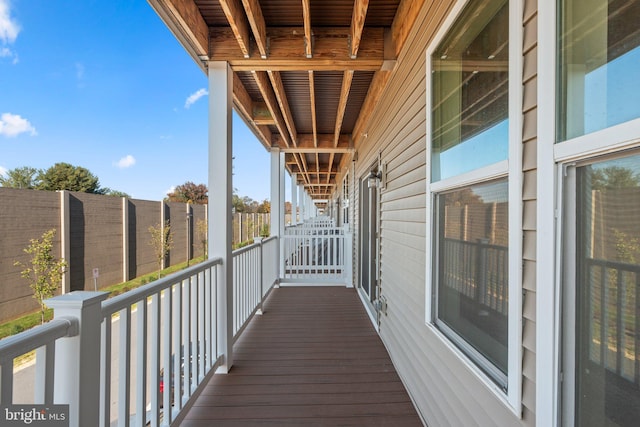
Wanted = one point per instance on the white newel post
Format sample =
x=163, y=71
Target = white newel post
x=220, y=195
x=77, y=362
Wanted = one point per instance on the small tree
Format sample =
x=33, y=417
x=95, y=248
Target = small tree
x=45, y=271
x=162, y=242
x=202, y=233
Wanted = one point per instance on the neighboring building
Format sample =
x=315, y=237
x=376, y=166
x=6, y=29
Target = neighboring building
x=486, y=155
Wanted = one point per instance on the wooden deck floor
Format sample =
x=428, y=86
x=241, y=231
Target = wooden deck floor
x=313, y=358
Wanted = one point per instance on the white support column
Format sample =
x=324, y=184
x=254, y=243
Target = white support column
x=220, y=195
x=301, y=198
x=281, y=173
x=277, y=203
x=294, y=198
x=275, y=192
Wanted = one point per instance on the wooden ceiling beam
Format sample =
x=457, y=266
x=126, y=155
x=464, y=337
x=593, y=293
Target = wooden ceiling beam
x=308, y=143
x=287, y=51
x=258, y=26
x=357, y=25
x=239, y=25
x=317, y=184
x=264, y=85
x=278, y=88
x=308, y=36
x=185, y=20
x=331, y=156
x=245, y=108
x=347, y=78
x=406, y=15
x=312, y=97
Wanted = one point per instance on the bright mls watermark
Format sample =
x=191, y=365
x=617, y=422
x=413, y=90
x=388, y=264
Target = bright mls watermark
x=34, y=415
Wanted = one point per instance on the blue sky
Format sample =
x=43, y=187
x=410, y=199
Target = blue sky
x=105, y=85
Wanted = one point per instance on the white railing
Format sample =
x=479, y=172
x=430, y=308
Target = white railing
x=43, y=340
x=317, y=255
x=141, y=357
x=316, y=222
x=168, y=329
x=252, y=280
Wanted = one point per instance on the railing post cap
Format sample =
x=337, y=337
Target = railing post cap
x=76, y=299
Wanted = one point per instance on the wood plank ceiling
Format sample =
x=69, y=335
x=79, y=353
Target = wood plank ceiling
x=307, y=74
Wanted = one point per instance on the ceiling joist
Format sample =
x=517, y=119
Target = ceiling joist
x=258, y=27
x=287, y=50
x=278, y=88
x=239, y=25
x=357, y=25
x=308, y=35
x=270, y=99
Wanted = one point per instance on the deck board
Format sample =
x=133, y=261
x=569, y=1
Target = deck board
x=313, y=359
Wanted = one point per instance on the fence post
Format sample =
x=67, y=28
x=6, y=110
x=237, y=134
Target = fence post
x=77, y=378
x=65, y=240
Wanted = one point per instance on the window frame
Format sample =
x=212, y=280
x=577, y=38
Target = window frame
x=555, y=161
x=344, y=200
x=512, y=170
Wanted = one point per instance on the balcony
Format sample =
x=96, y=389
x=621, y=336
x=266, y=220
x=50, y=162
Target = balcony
x=283, y=354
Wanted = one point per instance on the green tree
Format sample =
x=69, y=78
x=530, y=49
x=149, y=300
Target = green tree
x=614, y=177
x=115, y=193
x=190, y=193
x=63, y=176
x=161, y=241
x=265, y=206
x=44, y=271
x=24, y=177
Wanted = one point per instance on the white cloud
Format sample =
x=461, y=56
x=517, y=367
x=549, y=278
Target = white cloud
x=13, y=125
x=9, y=28
x=170, y=190
x=3, y=171
x=194, y=97
x=126, y=162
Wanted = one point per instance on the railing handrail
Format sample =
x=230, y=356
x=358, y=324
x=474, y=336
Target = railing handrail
x=617, y=265
x=24, y=342
x=122, y=301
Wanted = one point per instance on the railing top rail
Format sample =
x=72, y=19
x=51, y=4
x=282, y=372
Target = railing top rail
x=26, y=341
x=127, y=299
x=245, y=249
x=614, y=264
x=270, y=238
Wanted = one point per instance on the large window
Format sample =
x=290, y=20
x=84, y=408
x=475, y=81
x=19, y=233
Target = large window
x=599, y=64
x=473, y=272
x=602, y=315
x=470, y=76
x=473, y=260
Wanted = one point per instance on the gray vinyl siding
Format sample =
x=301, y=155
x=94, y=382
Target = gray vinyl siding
x=529, y=161
x=445, y=391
